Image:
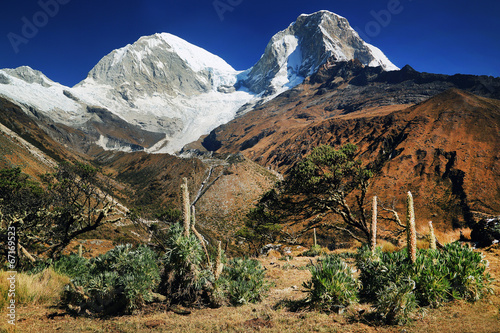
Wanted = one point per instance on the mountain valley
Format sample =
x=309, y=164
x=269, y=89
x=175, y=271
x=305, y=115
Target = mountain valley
x=161, y=109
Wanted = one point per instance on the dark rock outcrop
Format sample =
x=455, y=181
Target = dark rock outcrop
x=486, y=232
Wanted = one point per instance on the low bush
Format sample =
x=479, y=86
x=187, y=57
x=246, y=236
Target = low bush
x=396, y=302
x=314, y=251
x=187, y=277
x=116, y=282
x=396, y=286
x=468, y=277
x=72, y=265
x=332, y=286
x=243, y=281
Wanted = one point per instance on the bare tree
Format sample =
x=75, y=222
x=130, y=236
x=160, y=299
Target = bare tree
x=47, y=218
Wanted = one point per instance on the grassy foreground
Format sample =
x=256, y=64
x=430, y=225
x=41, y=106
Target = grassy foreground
x=40, y=313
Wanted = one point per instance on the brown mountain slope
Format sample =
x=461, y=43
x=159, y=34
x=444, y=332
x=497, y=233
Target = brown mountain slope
x=446, y=150
x=140, y=180
x=23, y=143
x=337, y=90
x=448, y=154
x=230, y=186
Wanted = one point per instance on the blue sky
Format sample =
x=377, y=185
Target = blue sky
x=441, y=36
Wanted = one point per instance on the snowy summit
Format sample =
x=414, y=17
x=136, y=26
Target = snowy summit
x=163, y=84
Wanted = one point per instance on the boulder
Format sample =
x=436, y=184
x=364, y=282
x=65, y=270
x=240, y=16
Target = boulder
x=486, y=232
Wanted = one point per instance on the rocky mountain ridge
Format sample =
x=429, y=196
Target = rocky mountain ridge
x=339, y=90
x=165, y=85
x=418, y=131
x=298, y=51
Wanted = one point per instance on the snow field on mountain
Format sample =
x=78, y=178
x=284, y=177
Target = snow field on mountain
x=165, y=84
x=45, y=99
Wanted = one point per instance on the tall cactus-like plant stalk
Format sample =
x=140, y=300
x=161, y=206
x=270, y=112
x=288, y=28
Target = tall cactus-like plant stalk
x=198, y=235
x=186, y=206
x=373, y=243
x=218, y=262
x=432, y=237
x=410, y=228
x=314, y=238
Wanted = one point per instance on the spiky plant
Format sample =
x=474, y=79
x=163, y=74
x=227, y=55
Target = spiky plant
x=118, y=281
x=314, y=237
x=332, y=286
x=410, y=228
x=244, y=281
x=218, y=262
x=396, y=302
x=199, y=236
x=184, y=278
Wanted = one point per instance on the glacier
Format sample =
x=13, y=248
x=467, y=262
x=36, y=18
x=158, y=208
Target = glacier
x=164, y=84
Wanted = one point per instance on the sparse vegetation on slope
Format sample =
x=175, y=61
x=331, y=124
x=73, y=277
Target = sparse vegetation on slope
x=47, y=217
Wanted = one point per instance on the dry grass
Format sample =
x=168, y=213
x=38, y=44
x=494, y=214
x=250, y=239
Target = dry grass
x=44, y=288
x=452, y=235
x=269, y=316
x=446, y=236
x=387, y=246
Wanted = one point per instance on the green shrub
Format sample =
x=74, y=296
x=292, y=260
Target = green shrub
x=467, y=272
x=436, y=277
x=314, y=251
x=244, y=281
x=376, y=269
x=347, y=255
x=396, y=302
x=186, y=278
x=72, y=265
x=119, y=281
x=189, y=279
x=431, y=275
x=332, y=286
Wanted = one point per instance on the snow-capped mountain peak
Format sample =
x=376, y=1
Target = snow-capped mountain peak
x=299, y=50
x=197, y=58
x=29, y=75
x=164, y=84
x=162, y=63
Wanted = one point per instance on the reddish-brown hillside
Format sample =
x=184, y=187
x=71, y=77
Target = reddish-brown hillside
x=139, y=180
x=23, y=143
x=445, y=150
x=449, y=156
x=230, y=186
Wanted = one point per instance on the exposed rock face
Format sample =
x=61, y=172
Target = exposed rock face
x=29, y=75
x=161, y=63
x=486, y=232
x=443, y=148
x=4, y=79
x=299, y=50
